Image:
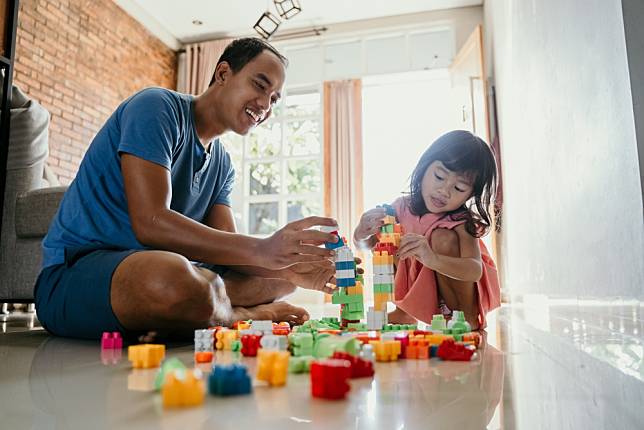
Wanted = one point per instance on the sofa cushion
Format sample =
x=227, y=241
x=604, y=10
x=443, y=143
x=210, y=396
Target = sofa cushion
x=36, y=209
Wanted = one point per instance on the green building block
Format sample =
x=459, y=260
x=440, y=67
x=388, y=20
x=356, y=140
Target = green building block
x=301, y=364
x=301, y=344
x=341, y=298
x=459, y=324
x=327, y=344
x=438, y=323
x=357, y=326
x=168, y=366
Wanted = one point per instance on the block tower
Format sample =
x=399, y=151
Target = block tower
x=349, y=294
x=383, y=269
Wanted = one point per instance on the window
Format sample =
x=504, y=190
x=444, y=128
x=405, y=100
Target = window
x=279, y=165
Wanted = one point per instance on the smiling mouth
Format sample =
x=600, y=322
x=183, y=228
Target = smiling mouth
x=257, y=117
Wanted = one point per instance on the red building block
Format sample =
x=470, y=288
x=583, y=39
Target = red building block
x=329, y=378
x=250, y=344
x=359, y=368
x=450, y=350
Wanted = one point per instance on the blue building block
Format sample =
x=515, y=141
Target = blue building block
x=348, y=282
x=345, y=265
x=229, y=380
x=338, y=244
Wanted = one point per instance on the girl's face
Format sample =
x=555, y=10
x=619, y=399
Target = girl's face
x=444, y=190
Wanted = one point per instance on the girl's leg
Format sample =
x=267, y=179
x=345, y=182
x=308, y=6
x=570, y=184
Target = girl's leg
x=458, y=295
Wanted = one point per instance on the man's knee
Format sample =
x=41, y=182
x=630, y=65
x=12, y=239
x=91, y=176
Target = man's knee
x=445, y=242
x=180, y=291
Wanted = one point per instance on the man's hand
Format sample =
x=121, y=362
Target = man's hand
x=318, y=276
x=294, y=244
x=417, y=246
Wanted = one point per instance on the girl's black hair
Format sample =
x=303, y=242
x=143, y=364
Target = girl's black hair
x=460, y=151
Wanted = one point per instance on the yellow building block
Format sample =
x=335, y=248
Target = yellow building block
x=387, y=350
x=146, y=355
x=225, y=339
x=272, y=366
x=437, y=339
x=355, y=290
x=182, y=388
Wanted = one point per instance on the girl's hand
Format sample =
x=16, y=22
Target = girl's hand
x=370, y=224
x=417, y=246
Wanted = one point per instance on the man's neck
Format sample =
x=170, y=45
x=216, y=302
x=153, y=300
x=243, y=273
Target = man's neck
x=208, y=125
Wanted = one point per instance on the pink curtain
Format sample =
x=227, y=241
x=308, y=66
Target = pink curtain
x=201, y=59
x=343, y=153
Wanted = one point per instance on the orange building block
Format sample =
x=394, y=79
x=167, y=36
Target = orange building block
x=272, y=366
x=225, y=339
x=146, y=356
x=203, y=356
x=182, y=388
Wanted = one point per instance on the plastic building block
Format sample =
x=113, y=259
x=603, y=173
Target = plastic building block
x=283, y=328
x=272, y=366
x=236, y=345
x=458, y=324
x=229, y=380
x=452, y=351
x=301, y=344
x=146, y=356
x=473, y=337
x=438, y=323
x=182, y=388
x=111, y=340
x=204, y=340
x=300, y=364
x=264, y=326
x=250, y=344
x=225, y=338
x=360, y=368
x=326, y=345
x=329, y=378
x=241, y=325
x=271, y=341
x=367, y=354
x=168, y=366
x=203, y=356
x=387, y=350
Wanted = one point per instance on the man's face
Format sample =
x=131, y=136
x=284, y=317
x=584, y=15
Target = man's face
x=252, y=92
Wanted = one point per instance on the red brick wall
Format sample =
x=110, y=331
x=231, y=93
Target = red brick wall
x=80, y=59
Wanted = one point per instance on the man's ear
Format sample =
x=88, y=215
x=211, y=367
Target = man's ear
x=222, y=72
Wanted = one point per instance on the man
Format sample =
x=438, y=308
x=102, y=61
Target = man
x=151, y=198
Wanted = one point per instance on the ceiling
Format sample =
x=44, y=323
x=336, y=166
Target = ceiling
x=172, y=20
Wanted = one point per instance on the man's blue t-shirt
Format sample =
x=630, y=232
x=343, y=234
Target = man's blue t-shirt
x=157, y=125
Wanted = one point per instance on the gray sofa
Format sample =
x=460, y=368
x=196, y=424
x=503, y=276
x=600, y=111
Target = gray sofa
x=31, y=199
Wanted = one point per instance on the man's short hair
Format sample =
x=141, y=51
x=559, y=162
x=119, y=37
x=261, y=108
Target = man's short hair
x=240, y=52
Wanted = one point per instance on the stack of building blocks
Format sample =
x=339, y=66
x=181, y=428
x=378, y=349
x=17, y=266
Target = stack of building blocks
x=182, y=388
x=383, y=269
x=329, y=378
x=350, y=294
x=146, y=356
x=204, y=346
x=229, y=380
x=272, y=366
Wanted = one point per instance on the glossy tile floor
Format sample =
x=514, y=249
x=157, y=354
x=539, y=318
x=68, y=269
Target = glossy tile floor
x=544, y=366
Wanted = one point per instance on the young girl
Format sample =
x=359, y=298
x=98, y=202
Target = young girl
x=443, y=265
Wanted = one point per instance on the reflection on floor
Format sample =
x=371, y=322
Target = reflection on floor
x=545, y=365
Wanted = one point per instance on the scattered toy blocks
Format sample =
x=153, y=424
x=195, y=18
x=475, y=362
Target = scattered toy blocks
x=272, y=366
x=182, y=388
x=329, y=378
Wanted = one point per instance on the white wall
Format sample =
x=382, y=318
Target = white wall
x=572, y=196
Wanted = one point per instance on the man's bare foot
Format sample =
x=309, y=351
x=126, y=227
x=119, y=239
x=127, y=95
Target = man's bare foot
x=276, y=311
x=400, y=317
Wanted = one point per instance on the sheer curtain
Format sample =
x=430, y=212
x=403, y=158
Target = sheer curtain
x=200, y=61
x=343, y=198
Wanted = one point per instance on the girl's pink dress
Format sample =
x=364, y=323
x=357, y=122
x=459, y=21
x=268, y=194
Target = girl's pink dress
x=416, y=290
